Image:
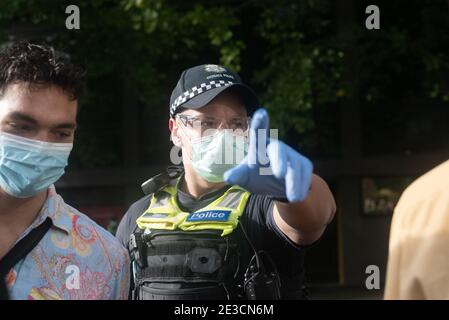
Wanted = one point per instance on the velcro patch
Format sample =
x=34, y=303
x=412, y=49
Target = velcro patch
x=209, y=215
x=156, y=216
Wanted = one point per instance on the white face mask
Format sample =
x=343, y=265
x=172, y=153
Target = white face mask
x=214, y=154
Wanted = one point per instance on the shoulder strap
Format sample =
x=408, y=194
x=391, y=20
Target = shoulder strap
x=3, y=289
x=23, y=247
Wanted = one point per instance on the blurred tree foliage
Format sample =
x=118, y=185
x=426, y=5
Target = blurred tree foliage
x=289, y=50
x=302, y=73
x=402, y=78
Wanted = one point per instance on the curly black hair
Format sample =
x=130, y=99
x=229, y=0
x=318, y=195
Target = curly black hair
x=39, y=65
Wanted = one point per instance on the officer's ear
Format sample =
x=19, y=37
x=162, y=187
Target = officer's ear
x=174, y=132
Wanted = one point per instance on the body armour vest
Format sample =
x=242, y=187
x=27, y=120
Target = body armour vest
x=189, y=255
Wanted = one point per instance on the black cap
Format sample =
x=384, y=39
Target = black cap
x=198, y=85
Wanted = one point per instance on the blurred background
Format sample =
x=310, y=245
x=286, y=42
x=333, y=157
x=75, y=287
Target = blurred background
x=369, y=107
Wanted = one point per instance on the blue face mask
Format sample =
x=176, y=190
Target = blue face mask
x=29, y=166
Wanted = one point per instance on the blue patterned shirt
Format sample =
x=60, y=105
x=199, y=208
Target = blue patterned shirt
x=76, y=259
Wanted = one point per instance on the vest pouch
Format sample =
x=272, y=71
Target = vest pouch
x=164, y=292
x=200, y=258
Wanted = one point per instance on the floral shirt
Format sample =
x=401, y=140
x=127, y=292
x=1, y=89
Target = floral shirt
x=76, y=259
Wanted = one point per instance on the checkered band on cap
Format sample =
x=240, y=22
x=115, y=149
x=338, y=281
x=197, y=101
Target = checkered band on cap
x=196, y=90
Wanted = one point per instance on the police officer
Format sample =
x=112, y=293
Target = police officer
x=225, y=227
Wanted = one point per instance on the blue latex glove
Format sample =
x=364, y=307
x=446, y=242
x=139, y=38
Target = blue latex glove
x=291, y=172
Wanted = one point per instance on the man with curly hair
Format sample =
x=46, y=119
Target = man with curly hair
x=48, y=250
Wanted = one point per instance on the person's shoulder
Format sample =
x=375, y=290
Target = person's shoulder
x=258, y=209
x=426, y=197
x=141, y=204
x=432, y=184
x=259, y=203
x=128, y=223
x=138, y=208
x=259, y=198
x=83, y=219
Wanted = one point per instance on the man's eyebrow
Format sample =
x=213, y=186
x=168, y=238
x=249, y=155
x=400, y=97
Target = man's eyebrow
x=66, y=125
x=16, y=115
x=19, y=116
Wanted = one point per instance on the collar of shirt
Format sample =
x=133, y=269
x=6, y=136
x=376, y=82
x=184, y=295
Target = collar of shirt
x=51, y=210
x=190, y=204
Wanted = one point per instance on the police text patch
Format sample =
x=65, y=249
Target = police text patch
x=209, y=215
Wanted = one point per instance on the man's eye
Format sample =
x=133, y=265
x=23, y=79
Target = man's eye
x=238, y=124
x=209, y=124
x=63, y=134
x=195, y=123
x=21, y=127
